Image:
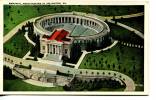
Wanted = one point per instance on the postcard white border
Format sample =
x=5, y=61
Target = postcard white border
x=86, y=2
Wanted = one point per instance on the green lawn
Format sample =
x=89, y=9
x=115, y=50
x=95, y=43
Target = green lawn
x=17, y=46
x=139, y=88
x=110, y=89
x=15, y=14
x=136, y=23
x=19, y=85
x=129, y=61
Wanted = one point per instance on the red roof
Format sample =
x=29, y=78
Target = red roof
x=58, y=35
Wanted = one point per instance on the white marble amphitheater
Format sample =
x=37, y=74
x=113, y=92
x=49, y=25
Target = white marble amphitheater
x=59, y=31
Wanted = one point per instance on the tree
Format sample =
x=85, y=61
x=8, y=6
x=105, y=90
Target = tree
x=113, y=66
x=119, y=67
x=38, y=9
x=69, y=7
x=8, y=14
x=108, y=65
x=115, y=22
x=96, y=64
x=75, y=52
x=124, y=69
x=23, y=28
x=30, y=66
x=35, y=58
x=4, y=25
x=9, y=7
x=129, y=72
x=118, y=58
x=133, y=58
x=90, y=64
x=55, y=8
x=94, y=60
x=18, y=11
x=134, y=67
x=113, y=17
x=11, y=19
x=99, y=62
x=117, y=54
x=106, y=62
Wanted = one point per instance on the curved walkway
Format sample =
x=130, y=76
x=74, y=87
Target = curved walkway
x=39, y=83
x=128, y=28
x=26, y=56
x=109, y=47
x=15, y=29
x=130, y=86
x=96, y=51
x=124, y=16
x=85, y=53
x=30, y=41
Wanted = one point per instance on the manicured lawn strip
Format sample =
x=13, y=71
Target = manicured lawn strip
x=110, y=89
x=19, y=85
x=15, y=14
x=136, y=23
x=17, y=46
x=139, y=88
x=129, y=61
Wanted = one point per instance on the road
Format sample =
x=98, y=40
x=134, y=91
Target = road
x=128, y=28
x=130, y=85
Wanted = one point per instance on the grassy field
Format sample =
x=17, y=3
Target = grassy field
x=110, y=89
x=13, y=15
x=17, y=46
x=129, y=61
x=19, y=85
x=138, y=88
x=136, y=23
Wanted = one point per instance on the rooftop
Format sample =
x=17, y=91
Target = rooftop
x=58, y=35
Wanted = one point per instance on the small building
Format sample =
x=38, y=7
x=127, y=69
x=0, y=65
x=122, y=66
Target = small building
x=55, y=46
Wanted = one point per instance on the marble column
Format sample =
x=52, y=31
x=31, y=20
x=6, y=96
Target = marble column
x=71, y=20
x=47, y=48
x=55, y=49
x=52, y=48
x=59, y=50
x=67, y=19
x=60, y=19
